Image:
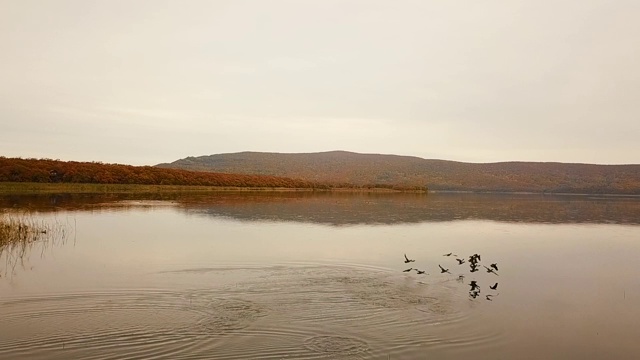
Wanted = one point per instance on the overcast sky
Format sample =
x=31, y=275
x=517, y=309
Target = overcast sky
x=144, y=82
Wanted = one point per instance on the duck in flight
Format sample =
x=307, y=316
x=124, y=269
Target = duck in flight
x=443, y=270
x=474, y=267
x=409, y=269
x=419, y=271
x=495, y=286
x=474, y=294
x=489, y=297
x=449, y=254
x=474, y=285
x=495, y=266
x=406, y=259
x=490, y=270
x=460, y=261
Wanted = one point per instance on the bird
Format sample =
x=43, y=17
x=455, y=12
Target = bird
x=443, y=270
x=419, y=271
x=406, y=259
x=489, y=297
x=490, y=270
x=460, y=261
x=460, y=277
x=409, y=269
x=449, y=254
x=495, y=266
x=474, y=285
x=474, y=294
x=474, y=269
x=495, y=286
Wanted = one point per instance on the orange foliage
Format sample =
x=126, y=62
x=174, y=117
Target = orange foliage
x=54, y=171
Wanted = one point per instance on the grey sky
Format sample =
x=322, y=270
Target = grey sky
x=143, y=82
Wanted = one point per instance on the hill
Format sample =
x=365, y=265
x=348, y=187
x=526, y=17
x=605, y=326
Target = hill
x=352, y=168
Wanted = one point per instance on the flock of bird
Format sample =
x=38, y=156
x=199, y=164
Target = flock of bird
x=474, y=264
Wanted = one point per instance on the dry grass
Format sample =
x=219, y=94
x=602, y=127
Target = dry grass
x=20, y=233
x=12, y=188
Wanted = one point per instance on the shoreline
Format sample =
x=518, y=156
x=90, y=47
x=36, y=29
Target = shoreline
x=24, y=188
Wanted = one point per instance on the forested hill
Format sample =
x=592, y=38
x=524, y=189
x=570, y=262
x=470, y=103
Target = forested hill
x=354, y=168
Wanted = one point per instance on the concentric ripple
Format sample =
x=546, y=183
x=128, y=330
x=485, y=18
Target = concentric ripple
x=302, y=312
x=336, y=345
x=109, y=325
x=229, y=315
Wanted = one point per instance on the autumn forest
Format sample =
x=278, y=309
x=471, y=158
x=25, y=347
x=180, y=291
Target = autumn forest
x=56, y=171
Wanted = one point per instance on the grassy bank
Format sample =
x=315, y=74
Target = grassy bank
x=17, y=188
x=10, y=188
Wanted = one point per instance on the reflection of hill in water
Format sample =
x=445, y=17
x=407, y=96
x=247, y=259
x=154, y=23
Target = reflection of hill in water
x=349, y=209
x=359, y=208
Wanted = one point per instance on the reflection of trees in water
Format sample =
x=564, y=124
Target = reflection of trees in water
x=350, y=208
x=342, y=209
x=76, y=202
x=21, y=235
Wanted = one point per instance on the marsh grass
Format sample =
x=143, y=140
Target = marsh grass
x=24, y=188
x=13, y=188
x=20, y=234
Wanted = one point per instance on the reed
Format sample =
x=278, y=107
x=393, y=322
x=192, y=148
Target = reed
x=19, y=230
x=19, y=233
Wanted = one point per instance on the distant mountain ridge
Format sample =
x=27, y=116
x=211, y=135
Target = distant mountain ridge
x=337, y=167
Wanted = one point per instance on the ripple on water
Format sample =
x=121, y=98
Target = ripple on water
x=108, y=325
x=227, y=315
x=311, y=313
x=336, y=345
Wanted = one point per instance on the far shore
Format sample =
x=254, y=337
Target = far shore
x=23, y=188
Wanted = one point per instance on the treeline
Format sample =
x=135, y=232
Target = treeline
x=56, y=171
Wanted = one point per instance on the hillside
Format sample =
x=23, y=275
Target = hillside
x=353, y=168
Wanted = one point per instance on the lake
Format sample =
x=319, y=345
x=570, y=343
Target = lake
x=303, y=275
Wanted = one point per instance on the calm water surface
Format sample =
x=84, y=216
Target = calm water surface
x=304, y=276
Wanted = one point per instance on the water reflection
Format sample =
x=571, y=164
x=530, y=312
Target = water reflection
x=246, y=276
x=339, y=209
